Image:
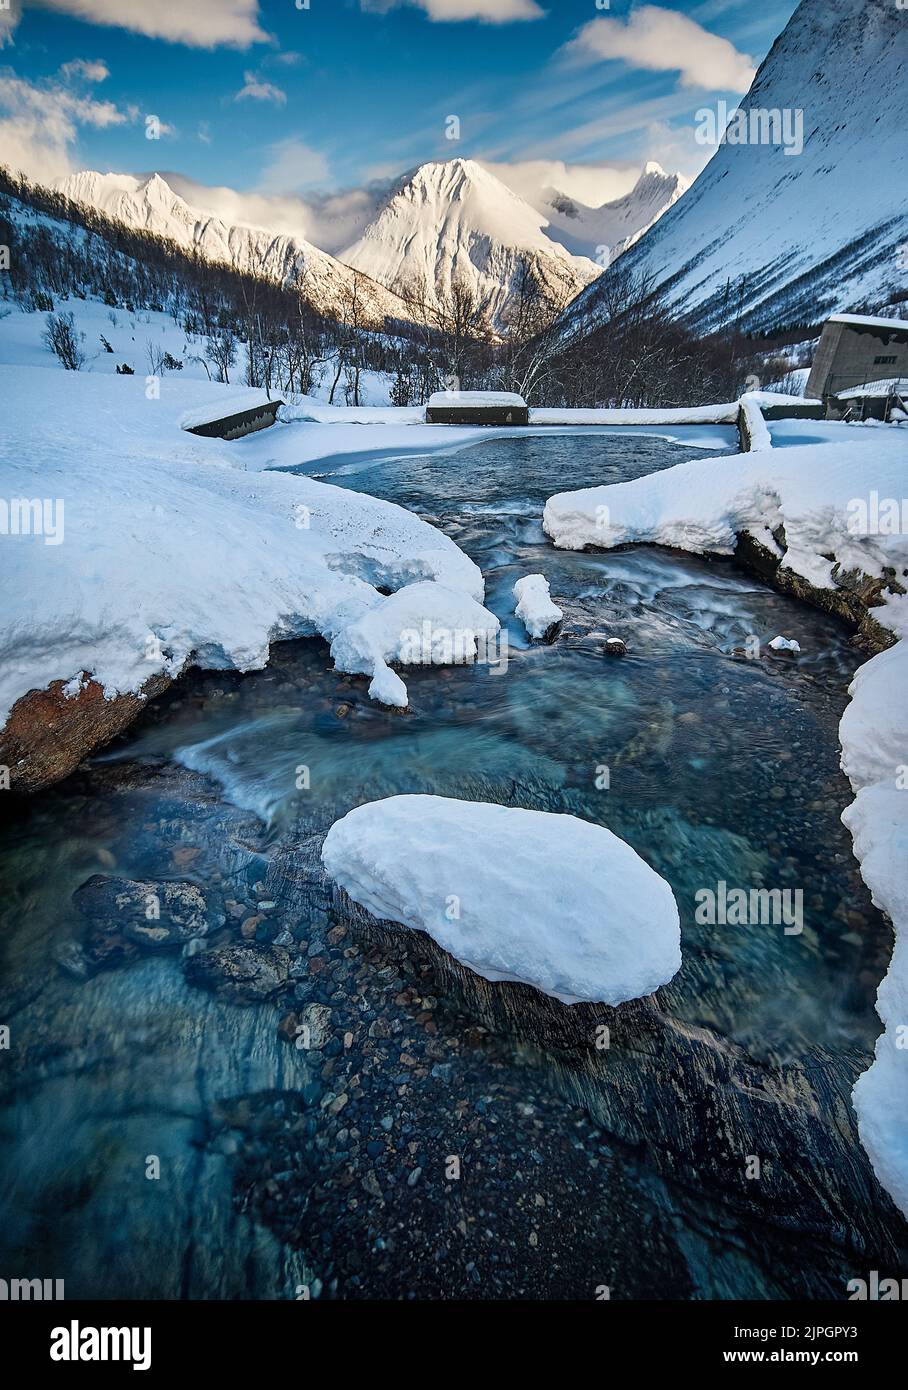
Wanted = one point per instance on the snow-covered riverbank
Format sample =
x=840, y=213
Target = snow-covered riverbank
x=824, y=513
x=150, y=547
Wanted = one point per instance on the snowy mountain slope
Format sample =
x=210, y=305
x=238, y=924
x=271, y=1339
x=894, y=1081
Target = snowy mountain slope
x=793, y=237
x=151, y=204
x=455, y=221
x=618, y=224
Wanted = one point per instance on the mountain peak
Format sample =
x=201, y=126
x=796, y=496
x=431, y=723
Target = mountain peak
x=797, y=238
x=453, y=221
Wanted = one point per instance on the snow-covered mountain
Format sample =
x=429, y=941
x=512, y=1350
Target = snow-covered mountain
x=151, y=204
x=616, y=225
x=455, y=222
x=789, y=237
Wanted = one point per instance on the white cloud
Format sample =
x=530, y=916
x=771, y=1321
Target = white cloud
x=332, y=221
x=676, y=148
x=590, y=184
x=452, y=11
x=85, y=70
x=292, y=165
x=257, y=90
x=39, y=125
x=196, y=23
x=10, y=14
x=662, y=40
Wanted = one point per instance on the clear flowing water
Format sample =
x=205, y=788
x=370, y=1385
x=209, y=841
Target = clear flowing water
x=718, y=769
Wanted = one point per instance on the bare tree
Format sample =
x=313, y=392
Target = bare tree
x=353, y=327
x=456, y=323
x=61, y=336
x=220, y=350
x=154, y=356
x=533, y=338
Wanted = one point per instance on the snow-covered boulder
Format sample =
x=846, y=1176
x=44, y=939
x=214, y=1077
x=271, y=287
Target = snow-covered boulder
x=549, y=900
x=535, y=608
x=424, y=624
x=474, y=398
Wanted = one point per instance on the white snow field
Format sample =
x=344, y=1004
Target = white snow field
x=535, y=608
x=831, y=500
x=549, y=900
x=164, y=546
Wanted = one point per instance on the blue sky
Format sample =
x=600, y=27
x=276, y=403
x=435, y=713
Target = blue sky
x=265, y=97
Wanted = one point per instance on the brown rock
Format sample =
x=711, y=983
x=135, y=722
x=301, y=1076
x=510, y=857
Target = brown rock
x=47, y=735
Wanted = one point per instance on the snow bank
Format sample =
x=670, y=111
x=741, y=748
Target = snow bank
x=757, y=431
x=168, y=548
x=725, y=414
x=548, y=900
x=308, y=409
x=814, y=492
x=874, y=735
x=535, y=608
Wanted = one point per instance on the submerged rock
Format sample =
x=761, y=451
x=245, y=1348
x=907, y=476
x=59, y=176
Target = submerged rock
x=241, y=974
x=127, y=915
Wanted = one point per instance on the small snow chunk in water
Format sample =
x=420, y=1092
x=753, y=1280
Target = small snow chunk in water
x=535, y=608
x=785, y=644
x=549, y=900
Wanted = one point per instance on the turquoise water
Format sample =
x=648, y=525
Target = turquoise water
x=718, y=769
